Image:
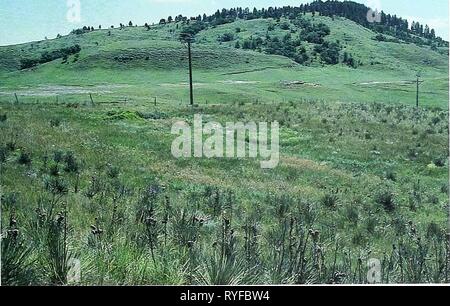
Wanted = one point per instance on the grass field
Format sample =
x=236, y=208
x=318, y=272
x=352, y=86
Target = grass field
x=363, y=172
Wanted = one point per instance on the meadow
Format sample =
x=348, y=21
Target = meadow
x=87, y=175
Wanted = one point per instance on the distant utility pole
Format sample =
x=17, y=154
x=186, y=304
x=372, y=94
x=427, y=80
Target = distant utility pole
x=417, y=91
x=191, y=87
x=187, y=38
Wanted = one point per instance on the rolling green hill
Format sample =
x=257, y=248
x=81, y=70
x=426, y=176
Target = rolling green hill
x=132, y=55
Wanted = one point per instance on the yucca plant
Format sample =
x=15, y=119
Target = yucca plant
x=3, y=154
x=58, y=256
x=225, y=270
x=184, y=227
x=146, y=215
x=16, y=263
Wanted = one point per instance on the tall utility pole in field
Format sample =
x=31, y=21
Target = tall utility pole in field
x=188, y=39
x=418, y=75
x=417, y=93
x=191, y=87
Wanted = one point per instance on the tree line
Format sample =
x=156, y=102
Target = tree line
x=389, y=24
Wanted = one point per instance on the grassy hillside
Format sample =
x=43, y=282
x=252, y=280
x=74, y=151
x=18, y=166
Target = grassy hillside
x=134, y=54
x=363, y=173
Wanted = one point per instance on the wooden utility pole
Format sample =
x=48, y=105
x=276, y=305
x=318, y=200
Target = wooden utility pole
x=417, y=93
x=191, y=87
x=417, y=90
x=187, y=39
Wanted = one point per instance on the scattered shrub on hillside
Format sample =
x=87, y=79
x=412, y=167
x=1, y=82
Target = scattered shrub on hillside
x=55, y=122
x=28, y=63
x=444, y=188
x=435, y=120
x=371, y=224
x=52, y=55
x=24, y=158
x=72, y=165
x=3, y=117
x=112, y=171
x=301, y=57
x=315, y=33
x=94, y=188
x=56, y=185
x=54, y=169
x=412, y=154
x=381, y=37
x=352, y=214
x=432, y=199
x=391, y=175
x=85, y=29
x=284, y=48
x=386, y=199
x=285, y=26
x=11, y=145
x=329, y=52
x=72, y=105
x=49, y=56
x=287, y=47
x=192, y=29
x=247, y=44
x=3, y=154
x=359, y=238
x=226, y=37
x=156, y=115
x=440, y=162
x=58, y=156
x=399, y=224
x=349, y=60
x=434, y=231
x=329, y=200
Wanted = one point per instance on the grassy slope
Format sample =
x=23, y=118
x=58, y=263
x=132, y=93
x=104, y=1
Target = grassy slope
x=159, y=59
x=328, y=144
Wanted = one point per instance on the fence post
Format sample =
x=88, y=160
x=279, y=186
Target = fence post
x=92, y=100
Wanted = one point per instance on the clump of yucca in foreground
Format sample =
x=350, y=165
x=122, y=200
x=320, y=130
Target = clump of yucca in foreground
x=17, y=264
